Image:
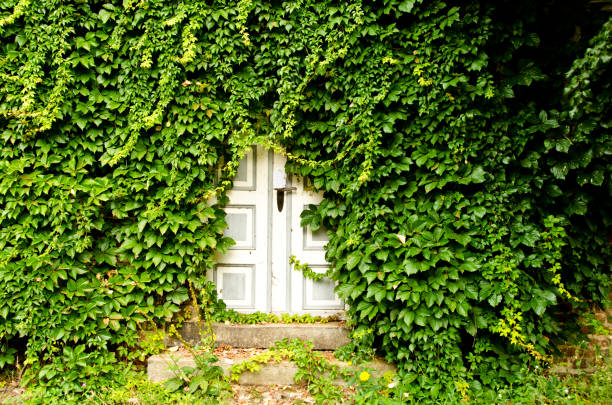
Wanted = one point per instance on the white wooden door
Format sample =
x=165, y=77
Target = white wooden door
x=308, y=246
x=255, y=274
x=243, y=272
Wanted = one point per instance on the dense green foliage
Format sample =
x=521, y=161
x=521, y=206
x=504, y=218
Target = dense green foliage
x=536, y=387
x=463, y=148
x=486, y=206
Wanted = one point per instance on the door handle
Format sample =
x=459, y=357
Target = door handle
x=280, y=196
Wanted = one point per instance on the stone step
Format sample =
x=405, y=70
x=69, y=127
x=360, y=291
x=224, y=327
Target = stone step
x=325, y=336
x=282, y=373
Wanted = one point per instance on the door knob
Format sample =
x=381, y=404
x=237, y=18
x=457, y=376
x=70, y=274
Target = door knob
x=281, y=184
x=280, y=196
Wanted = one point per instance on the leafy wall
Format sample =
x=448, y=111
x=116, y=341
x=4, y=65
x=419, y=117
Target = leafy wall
x=463, y=148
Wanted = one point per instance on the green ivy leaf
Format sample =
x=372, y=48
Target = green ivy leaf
x=406, y=6
x=494, y=300
x=353, y=260
x=173, y=384
x=478, y=175
x=104, y=15
x=411, y=267
x=408, y=317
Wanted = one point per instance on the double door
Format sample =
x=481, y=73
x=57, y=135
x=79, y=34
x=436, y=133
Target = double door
x=263, y=217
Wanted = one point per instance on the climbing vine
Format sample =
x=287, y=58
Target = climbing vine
x=462, y=148
x=306, y=270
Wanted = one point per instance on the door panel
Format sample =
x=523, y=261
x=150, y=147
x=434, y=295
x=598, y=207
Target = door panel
x=241, y=225
x=236, y=282
x=320, y=295
x=308, y=246
x=314, y=240
x=243, y=272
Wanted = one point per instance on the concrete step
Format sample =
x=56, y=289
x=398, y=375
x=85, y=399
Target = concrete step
x=325, y=336
x=281, y=373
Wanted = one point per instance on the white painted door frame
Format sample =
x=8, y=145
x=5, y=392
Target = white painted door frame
x=255, y=274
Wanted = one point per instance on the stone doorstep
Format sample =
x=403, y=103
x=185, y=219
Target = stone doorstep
x=325, y=336
x=271, y=373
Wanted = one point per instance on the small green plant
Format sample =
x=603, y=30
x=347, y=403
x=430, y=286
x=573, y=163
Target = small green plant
x=253, y=364
x=135, y=388
x=206, y=380
x=370, y=389
x=233, y=316
x=595, y=325
x=151, y=343
x=7, y=356
x=313, y=369
x=70, y=374
x=360, y=348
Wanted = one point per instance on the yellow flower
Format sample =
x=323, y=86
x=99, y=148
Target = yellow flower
x=364, y=376
x=349, y=363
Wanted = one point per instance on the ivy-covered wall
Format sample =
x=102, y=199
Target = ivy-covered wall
x=463, y=147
